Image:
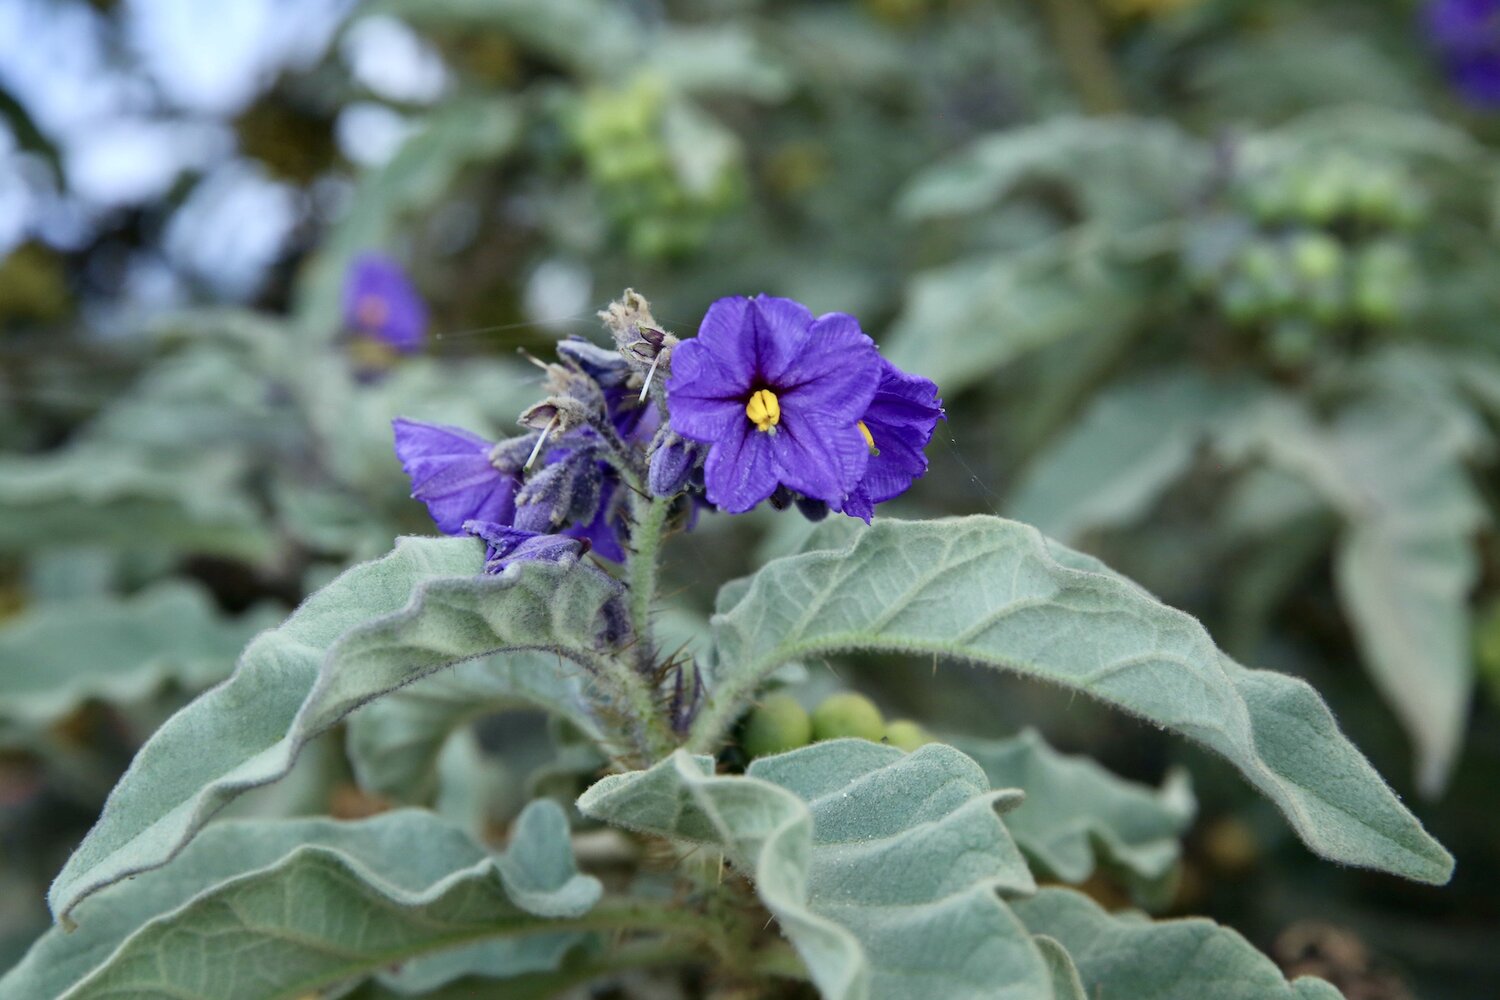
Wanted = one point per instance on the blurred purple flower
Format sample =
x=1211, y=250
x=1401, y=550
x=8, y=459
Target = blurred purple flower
x=380, y=302
x=897, y=427
x=505, y=545
x=777, y=396
x=452, y=473
x=1467, y=36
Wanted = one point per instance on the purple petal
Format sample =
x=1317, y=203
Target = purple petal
x=819, y=457
x=901, y=419
x=777, y=334
x=451, y=473
x=505, y=544
x=741, y=470
x=837, y=374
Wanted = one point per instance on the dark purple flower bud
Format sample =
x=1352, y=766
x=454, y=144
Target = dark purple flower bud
x=671, y=467
x=813, y=510
x=606, y=367
x=606, y=529
x=687, y=697
x=896, y=428
x=506, y=545
x=776, y=395
x=567, y=489
x=451, y=472
x=380, y=302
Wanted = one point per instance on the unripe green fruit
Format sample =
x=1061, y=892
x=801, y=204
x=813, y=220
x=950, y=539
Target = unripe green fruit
x=1385, y=282
x=1317, y=257
x=848, y=714
x=1322, y=193
x=904, y=734
x=778, y=724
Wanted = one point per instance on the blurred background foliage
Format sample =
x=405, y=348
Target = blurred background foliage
x=1210, y=287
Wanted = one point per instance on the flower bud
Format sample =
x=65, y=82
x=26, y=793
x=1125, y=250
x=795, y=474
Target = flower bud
x=671, y=467
x=567, y=490
x=813, y=510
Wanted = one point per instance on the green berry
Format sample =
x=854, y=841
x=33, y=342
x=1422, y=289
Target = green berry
x=778, y=724
x=1317, y=257
x=1385, y=282
x=1322, y=193
x=848, y=714
x=905, y=734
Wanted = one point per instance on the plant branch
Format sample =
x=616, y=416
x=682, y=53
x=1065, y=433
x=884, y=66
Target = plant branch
x=1080, y=41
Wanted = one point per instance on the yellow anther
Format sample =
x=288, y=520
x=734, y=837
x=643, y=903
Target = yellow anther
x=764, y=410
x=869, y=438
x=372, y=311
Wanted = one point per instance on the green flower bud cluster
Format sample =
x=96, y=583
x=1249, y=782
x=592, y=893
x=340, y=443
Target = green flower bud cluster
x=780, y=723
x=658, y=209
x=1318, y=247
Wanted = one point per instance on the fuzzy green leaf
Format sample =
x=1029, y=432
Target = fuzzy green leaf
x=394, y=742
x=995, y=592
x=1129, y=447
x=1078, y=816
x=378, y=626
x=119, y=650
x=882, y=867
x=261, y=909
x=1131, y=956
x=1394, y=469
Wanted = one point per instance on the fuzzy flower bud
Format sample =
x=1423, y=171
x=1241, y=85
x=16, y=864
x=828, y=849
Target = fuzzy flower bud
x=672, y=465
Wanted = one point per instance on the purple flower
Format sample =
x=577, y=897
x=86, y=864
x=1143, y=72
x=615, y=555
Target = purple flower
x=1467, y=35
x=897, y=426
x=380, y=302
x=505, y=545
x=777, y=396
x=452, y=473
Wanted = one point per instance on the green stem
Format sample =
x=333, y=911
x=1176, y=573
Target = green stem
x=1080, y=41
x=645, y=563
x=628, y=676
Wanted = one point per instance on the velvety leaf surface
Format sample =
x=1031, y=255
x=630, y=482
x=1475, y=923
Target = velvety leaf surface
x=1077, y=816
x=1130, y=956
x=118, y=494
x=883, y=868
x=1394, y=470
x=1129, y=171
x=262, y=909
x=990, y=591
x=378, y=626
x=394, y=742
x=1130, y=445
x=962, y=321
x=58, y=655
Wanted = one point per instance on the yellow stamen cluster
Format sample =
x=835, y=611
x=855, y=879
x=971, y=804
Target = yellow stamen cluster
x=764, y=410
x=869, y=438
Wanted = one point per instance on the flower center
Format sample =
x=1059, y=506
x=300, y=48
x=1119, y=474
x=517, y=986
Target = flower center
x=764, y=410
x=869, y=438
x=371, y=311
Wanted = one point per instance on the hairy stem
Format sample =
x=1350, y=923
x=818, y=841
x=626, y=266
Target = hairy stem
x=1080, y=41
x=629, y=677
